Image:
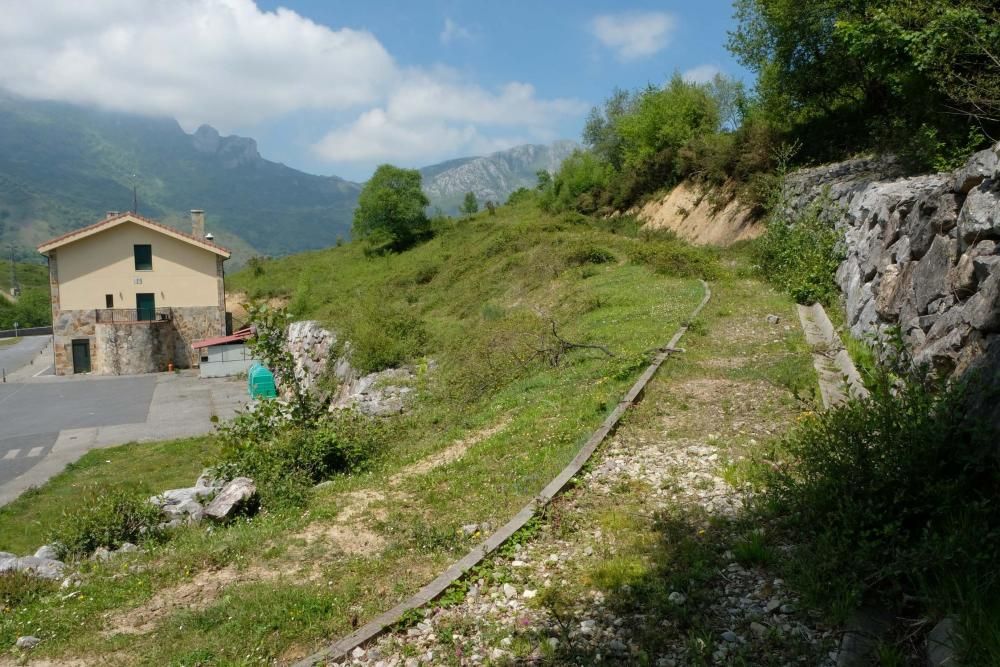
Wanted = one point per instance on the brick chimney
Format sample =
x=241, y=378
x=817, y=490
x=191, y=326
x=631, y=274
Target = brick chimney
x=198, y=223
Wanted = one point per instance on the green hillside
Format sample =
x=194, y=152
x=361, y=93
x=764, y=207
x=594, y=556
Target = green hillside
x=63, y=166
x=472, y=308
x=32, y=308
x=29, y=276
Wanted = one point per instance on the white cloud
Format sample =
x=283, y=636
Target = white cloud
x=377, y=136
x=228, y=63
x=219, y=61
x=634, y=35
x=453, y=32
x=434, y=115
x=701, y=73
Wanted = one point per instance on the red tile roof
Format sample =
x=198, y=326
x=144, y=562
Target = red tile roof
x=238, y=336
x=115, y=219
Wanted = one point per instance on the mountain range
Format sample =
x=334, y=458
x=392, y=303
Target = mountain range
x=492, y=177
x=63, y=166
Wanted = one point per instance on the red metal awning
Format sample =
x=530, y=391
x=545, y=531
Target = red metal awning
x=237, y=337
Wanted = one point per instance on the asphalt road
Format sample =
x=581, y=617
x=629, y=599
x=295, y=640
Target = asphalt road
x=33, y=413
x=13, y=357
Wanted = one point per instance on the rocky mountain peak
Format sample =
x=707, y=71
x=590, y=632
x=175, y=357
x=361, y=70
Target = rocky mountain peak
x=492, y=177
x=234, y=151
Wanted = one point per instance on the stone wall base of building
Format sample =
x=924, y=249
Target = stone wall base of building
x=127, y=348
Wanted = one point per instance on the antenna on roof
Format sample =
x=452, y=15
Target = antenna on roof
x=135, y=197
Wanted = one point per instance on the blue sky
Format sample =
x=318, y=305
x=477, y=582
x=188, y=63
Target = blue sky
x=548, y=45
x=337, y=87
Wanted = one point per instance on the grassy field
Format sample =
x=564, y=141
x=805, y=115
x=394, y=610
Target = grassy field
x=29, y=276
x=150, y=467
x=481, y=440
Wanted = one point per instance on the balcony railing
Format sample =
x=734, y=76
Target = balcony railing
x=126, y=315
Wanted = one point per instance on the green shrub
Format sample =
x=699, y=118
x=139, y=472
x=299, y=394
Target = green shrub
x=673, y=257
x=521, y=195
x=625, y=225
x=104, y=516
x=383, y=334
x=800, y=255
x=590, y=254
x=890, y=495
x=286, y=458
x=20, y=588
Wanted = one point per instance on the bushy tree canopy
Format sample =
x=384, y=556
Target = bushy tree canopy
x=903, y=75
x=469, y=205
x=390, y=212
x=33, y=309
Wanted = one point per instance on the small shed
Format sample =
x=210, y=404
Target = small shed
x=225, y=356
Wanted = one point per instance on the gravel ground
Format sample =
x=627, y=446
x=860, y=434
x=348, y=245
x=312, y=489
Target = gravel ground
x=635, y=565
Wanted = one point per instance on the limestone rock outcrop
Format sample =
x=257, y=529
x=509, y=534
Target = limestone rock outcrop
x=375, y=394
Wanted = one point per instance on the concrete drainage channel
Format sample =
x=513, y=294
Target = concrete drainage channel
x=342, y=648
x=832, y=362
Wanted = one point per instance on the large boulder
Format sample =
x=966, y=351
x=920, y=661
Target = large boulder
x=44, y=568
x=980, y=166
x=48, y=551
x=237, y=495
x=378, y=394
x=931, y=276
x=183, y=504
x=982, y=310
x=931, y=216
x=980, y=216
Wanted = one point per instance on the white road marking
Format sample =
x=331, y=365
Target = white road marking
x=35, y=452
x=44, y=370
x=12, y=454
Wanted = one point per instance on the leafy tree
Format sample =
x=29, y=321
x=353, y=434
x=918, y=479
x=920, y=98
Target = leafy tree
x=582, y=183
x=469, y=205
x=544, y=179
x=600, y=133
x=521, y=195
x=848, y=75
x=390, y=213
x=33, y=309
x=665, y=119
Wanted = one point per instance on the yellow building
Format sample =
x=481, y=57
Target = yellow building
x=130, y=295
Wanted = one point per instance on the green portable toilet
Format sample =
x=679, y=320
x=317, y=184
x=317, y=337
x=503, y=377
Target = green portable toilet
x=260, y=382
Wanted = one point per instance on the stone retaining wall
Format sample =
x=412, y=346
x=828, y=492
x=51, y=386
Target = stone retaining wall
x=923, y=254
x=125, y=348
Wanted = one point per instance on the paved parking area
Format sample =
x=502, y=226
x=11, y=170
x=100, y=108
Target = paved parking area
x=32, y=414
x=47, y=422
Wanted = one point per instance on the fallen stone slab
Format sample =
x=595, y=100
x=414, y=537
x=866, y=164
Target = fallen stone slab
x=238, y=494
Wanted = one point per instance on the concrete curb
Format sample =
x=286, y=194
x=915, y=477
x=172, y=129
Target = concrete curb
x=833, y=364
x=382, y=622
